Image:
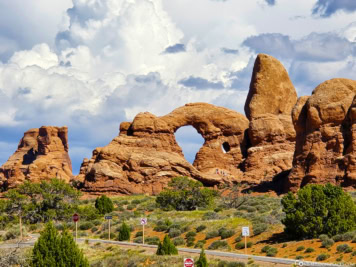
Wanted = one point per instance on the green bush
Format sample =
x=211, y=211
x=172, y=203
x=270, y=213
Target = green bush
x=272, y=252
x=86, y=225
x=344, y=248
x=231, y=264
x=135, y=202
x=300, y=248
x=226, y=233
x=179, y=241
x=318, y=210
x=212, y=234
x=218, y=244
x=309, y=250
x=131, y=207
x=124, y=232
x=211, y=215
x=139, y=233
x=173, y=232
x=327, y=243
x=265, y=248
x=249, y=244
x=238, y=238
x=138, y=240
x=185, y=194
x=104, y=204
x=167, y=247
x=353, y=253
x=323, y=237
x=190, y=234
x=322, y=257
x=200, y=228
x=200, y=244
x=202, y=261
x=240, y=245
x=152, y=240
x=52, y=249
x=259, y=228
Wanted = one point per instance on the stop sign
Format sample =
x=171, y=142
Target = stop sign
x=188, y=262
x=75, y=217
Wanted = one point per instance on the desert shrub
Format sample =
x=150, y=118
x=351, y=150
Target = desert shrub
x=160, y=228
x=249, y=244
x=272, y=252
x=238, y=238
x=354, y=240
x=12, y=234
x=152, y=240
x=231, y=264
x=210, y=215
x=265, y=248
x=226, y=233
x=337, y=238
x=284, y=245
x=139, y=233
x=200, y=228
x=179, y=241
x=135, y=202
x=138, y=240
x=240, y=245
x=175, y=225
x=353, y=253
x=104, y=204
x=131, y=207
x=124, y=232
x=212, y=234
x=251, y=209
x=322, y=257
x=259, y=228
x=167, y=247
x=86, y=225
x=190, y=234
x=348, y=236
x=309, y=250
x=263, y=208
x=173, y=232
x=218, y=209
x=299, y=257
x=343, y=248
x=94, y=229
x=200, y=244
x=185, y=194
x=318, y=209
x=33, y=227
x=300, y=248
x=190, y=243
x=327, y=243
x=96, y=222
x=218, y=244
x=323, y=237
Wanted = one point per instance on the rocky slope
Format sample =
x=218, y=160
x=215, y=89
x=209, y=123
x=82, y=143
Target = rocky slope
x=41, y=154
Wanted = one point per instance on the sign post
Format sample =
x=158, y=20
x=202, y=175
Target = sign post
x=143, y=223
x=108, y=218
x=188, y=262
x=76, y=219
x=245, y=233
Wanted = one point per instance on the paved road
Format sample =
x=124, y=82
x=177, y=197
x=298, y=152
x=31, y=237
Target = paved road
x=289, y=262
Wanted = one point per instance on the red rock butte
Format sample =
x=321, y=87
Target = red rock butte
x=284, y=143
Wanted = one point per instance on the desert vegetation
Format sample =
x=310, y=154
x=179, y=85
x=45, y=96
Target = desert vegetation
x=214, y=223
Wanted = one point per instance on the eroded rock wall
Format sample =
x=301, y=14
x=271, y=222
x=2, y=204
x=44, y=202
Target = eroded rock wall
x=42, y=154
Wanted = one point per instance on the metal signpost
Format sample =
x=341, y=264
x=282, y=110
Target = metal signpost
x=245, y=233
x=143, y=223
x=76, y=219
x=188, y=262
x=108, y=218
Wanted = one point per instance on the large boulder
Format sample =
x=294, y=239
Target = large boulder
x=42, y=154
x=326, y=136
x=145, y=155
x=271, y=133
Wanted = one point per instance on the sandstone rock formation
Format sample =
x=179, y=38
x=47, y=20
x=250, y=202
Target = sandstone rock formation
x=326, y=136
x=41, y=154
x=271, y=133
x=145, y=155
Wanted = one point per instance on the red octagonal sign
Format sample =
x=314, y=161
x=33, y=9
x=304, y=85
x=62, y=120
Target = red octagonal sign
x=188, y=262
x=75, y=217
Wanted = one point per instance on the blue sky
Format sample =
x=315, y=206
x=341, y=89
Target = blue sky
x=91, y=64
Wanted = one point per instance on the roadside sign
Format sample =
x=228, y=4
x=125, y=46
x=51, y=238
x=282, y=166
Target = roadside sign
x=75, y=217
x=245, y=231
x=188, y=262
x=143, y=221
x=108, y=217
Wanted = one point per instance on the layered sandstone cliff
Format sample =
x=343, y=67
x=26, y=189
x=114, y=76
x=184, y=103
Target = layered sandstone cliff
x=145, y=155
x=326, y=136
x=269, y=104
x=42, y=154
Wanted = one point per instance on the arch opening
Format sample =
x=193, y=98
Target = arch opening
x=190, y=141
x=225, y=147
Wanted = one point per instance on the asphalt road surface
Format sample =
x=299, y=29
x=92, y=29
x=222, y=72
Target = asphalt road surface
x=288, y=262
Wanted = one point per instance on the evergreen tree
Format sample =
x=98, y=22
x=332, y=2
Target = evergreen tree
x=202, y=261
x=317, y=210
x=54, y=250
x=124, y=232
x=167, y=248
x=104, y=204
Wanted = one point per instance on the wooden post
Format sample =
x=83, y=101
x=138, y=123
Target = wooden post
x=21, y=233
x=76, y=231
x=143, y=234
x=245, y=245
x=109, y=229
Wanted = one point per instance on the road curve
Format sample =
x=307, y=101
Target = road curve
x=190, y=250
